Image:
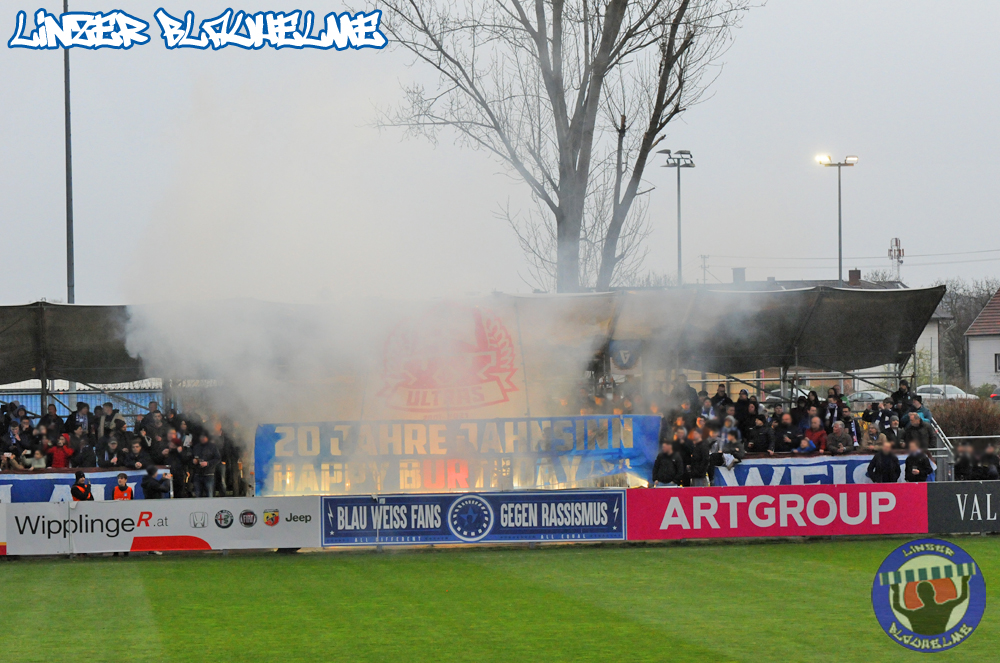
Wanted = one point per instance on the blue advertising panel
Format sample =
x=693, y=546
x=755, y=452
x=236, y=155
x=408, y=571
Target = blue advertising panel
x=564, y=515
x=434, y=456
x=797, y=471
x=54, y=486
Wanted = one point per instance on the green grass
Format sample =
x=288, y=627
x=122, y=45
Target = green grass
x=784, y=601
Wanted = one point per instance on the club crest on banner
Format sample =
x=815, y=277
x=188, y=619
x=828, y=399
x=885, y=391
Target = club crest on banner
x=453, y=357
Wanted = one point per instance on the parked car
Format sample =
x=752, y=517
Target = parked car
x=865, y=397
x=938, y=392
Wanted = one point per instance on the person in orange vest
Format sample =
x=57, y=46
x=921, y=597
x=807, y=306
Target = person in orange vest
x=123, y=491
x=81, y=489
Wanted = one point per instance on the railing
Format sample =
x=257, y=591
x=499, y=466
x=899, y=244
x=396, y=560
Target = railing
x=943, y=453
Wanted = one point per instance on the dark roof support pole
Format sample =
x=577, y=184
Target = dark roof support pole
x=43, y=372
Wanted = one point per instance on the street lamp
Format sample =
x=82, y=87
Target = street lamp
x=679, y=159
x=826, y=160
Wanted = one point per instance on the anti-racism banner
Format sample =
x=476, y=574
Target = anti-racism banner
x=54, y=486
x=463, y=455
x=561, y=515
x=799, y=471
x=770, y=511
x=963, y=506
x=162, y=525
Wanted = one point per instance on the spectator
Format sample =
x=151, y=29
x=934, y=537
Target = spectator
x=806, y=422
x=138, y=458
x=122, y=491
x=965, y=463
x=80, y=491
x=106, y=422
x=989, y=464
x=204, y=458
x=77, y=437
x=918, y=466
x=700, y=460
x=806, y=446
x=776, y=414
x=51, y=419
x=154, y=488
x=917, y=431
x=884, y=415
x=721, y=400
x=831, y=412
x=894, y=434
x=732, y=450
x=668, y=468
x=59, y=455
x=917, y=405
x=812, y=400
x=111, y=456
x=33, y=459
x=185, y=435
x=872, y=439
x=870, y=413
x=839, y=442
x=884, y=466
x=760, y=438
x=684, y=393
x=749, y=421
x=850, y=425
x=901, y=397
x=707, y=410
x=80, y=418
x=154, y=408
x=817, y=435
x=786, y=435
x=730, y=425
x=800, y=413
x=85, y=456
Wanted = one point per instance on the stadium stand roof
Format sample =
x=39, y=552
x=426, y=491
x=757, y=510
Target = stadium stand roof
x=721, y=331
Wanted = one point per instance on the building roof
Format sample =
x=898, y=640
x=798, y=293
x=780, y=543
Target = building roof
x=987, y=323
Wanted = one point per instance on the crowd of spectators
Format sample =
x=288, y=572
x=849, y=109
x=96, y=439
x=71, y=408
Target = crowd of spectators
x=201, y=459
x=702, y=432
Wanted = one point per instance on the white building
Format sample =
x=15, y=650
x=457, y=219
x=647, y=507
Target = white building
x=983, y=345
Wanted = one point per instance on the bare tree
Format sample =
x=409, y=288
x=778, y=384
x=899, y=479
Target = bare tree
x=962, y=302
x=572, y=96
x=880, y=276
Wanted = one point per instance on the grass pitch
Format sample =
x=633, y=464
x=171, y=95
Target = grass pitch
x=782, y=601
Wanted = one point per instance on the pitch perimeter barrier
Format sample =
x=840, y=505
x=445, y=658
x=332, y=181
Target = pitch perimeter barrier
x=613, y=514
x=797, y=471
x=54, y=485
x=162, y=525
x=551, y=515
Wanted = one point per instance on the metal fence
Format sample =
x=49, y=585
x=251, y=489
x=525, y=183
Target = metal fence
x=130, y=402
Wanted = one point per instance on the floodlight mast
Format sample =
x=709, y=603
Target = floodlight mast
x=679, y=159
x=827, y=160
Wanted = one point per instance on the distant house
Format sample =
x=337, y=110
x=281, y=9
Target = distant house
x=983, y=345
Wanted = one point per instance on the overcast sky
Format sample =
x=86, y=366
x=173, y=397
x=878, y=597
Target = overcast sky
x=258, y=173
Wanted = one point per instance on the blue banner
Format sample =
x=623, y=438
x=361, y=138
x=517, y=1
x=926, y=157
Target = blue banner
x=593, y=515
x=434, y=456
x=797, y=471
x=54, y=486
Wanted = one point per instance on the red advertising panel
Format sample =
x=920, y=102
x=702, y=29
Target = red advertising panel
x=761, y=511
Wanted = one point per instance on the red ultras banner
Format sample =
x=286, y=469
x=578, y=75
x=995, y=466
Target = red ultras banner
x=761, y=511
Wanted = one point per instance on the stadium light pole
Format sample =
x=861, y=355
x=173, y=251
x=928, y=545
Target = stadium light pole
x=826, y=160
x=70, y=267
x=679, y=159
